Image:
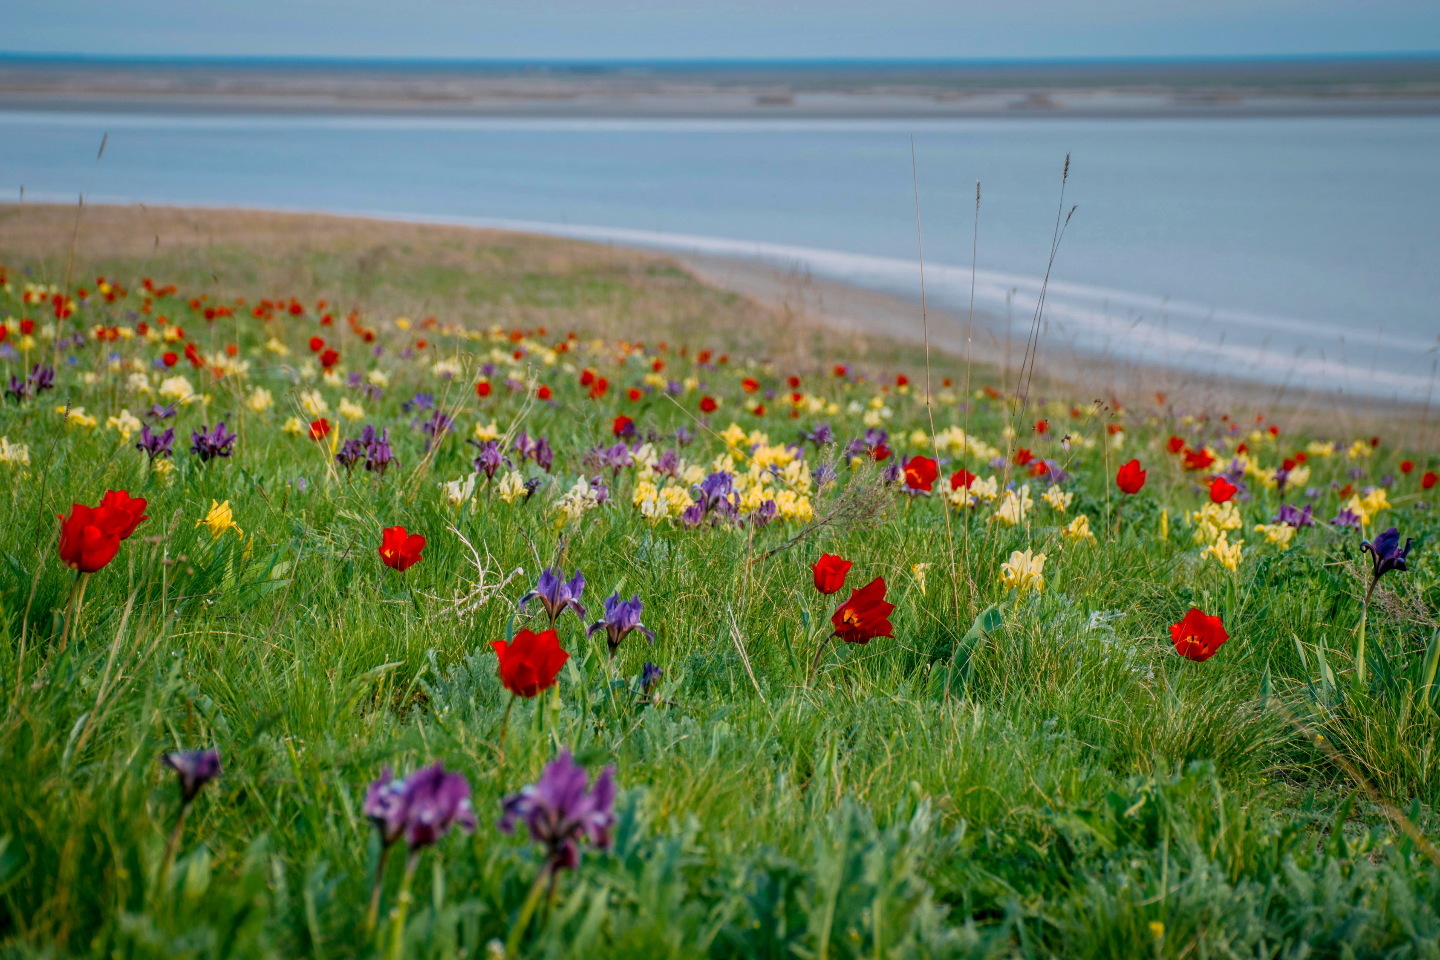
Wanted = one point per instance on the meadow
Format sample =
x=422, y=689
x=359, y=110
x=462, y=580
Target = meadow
x=1147, y=678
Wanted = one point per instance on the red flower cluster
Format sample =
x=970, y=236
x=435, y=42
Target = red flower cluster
x=400, y=549
x=90, y=536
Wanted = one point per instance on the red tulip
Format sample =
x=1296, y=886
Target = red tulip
x=123, y=513
x=920, y=473
x=961, y=478
x=89, y=538
x=830, y=572
x=1428, y=480
x=1131, y=477
x=1198, y=636
x=399, y=549
x=530, y=663
x=1175, y=444
x=708, y=405
x=623, y=426
x=865, y=615
x=1407, y=466
x=1198, y=459
x=1221, y=490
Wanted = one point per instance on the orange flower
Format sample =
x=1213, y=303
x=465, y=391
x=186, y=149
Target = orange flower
x=530, y=663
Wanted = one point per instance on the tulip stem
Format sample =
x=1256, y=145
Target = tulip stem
x=505, y=725
x=819, y=653
x=77, y=597
x=402, y=907
x=373, y=915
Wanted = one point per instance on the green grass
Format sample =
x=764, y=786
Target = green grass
x=1044, y=780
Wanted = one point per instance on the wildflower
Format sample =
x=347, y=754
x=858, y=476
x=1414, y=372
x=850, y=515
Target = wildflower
x=920, y=571
x=1279, y=534
x=920, y=474
x=156, y=445
x=1386, y=554
x=1024, y=571
x=260, y=400
x=219, y=519
x=459, y=492
x=384, y=806
x=399, y=549
x=1079, y=529
x=1058, y=499
x=122, y=512
x=865, y=615
x=88, y=539
x=621, y=617
x=1226, y=554
x=14, y=454
x=193, y=769
x=530, y=663
x=512, y=486
x=830, y=572
x=1015, y=505
x=319, y=429
x=1429, y=479
x=1295, y=518
x=378, y=455
x=292, y=427
x=623, y=427
x=821, y=436
x=1347, y=518
x=562, y=810
x=1197, y=636
x=1201, y=459
x=1130, y=478
x=421, y=808
x=650, y=675
x=1221, y=490
x=208, y=444
x=556, y=594
x=350, y=453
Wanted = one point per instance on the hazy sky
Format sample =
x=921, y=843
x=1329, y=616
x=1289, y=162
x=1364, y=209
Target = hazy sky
x=618, y=29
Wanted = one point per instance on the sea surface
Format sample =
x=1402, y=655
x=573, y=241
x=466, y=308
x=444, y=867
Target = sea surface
x=1303, y=251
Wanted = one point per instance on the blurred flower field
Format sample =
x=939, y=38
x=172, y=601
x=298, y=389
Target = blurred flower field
x=334, y=632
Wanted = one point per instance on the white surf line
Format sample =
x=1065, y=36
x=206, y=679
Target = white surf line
x=1090, y=309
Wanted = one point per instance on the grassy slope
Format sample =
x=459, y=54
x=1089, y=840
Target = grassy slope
x=1065, y=786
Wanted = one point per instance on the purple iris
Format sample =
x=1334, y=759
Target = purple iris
x=1346, y=518
x=873, y=440
x=763, y=514
x=1296, y=518
x=208, y=444
x=823, y=475
x=16, y=389
x=42, y=378
x=156, y=444
x=821, y=436
x=684, y=436
x=158, y=412
x=650, y=675
x=350, y=453
x=891, y=474
x=422, y=808
x=1387, y=555
x=436, y=426
x=621, y=617
x=535, y=448
x=614, y=458
x=556, y=594
x=378, y=455
x=489, y=459
x=562, y=810
x=194, y=768
x=421, y=401
x=668, y=464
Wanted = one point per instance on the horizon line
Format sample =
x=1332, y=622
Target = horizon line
x=711, y=61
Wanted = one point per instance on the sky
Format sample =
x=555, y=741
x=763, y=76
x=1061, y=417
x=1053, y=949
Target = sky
x=686, y=29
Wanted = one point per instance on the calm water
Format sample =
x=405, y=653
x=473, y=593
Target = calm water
x=1303, y=249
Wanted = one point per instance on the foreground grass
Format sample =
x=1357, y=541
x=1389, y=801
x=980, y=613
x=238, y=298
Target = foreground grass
x=1032, y=774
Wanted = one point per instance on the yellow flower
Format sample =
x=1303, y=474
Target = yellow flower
x=1279, y=534
x=314, y=404
x=1214, y=519
x=1079, y=529
x=1164, y=524
x=1014, y=507
x=259, y=400
x=1375, y=501
x=125, y=422
x=351, y=410
x=918, y=571
x=1024, y=571
x=512, y=486
x=277, y=348
x=14, y=454
x=1058, y=499
x=1226, y=554
x=219, y=519
x=77, y=417
x=177, y=388
x=487, y=431
x=1157, y=929
x=293, y=427
x=164, y=469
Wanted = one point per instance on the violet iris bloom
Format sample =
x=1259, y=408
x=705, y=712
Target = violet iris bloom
x=194, y=768
x=156, y=444
x=1387, y=555
x=684, y=436
x=158, y=412
x=17, y=389
x=489, y=459
x=614, y=458
x=823, y=475
x=422, y=808
x=650, y=675
x=535, y=448
x=562, y=810
x=821, y=436
x=1296, y=518
x=621, y=617
x=1346, y=518
x=350, y=453
x=378, y=455
x=557, y=595
x=208, y=444
x=668, y=464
